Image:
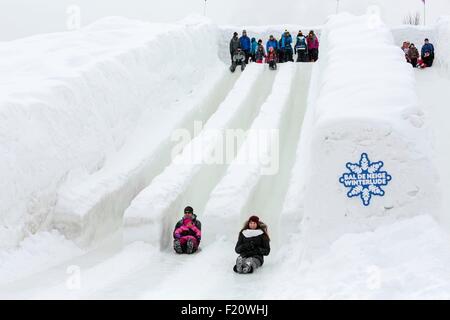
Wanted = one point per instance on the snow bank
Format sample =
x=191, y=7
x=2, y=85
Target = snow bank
x=70, y=102
x=442, y=44
x=126, y=263
x=361, y=107
x=34, y=254
x=404, y=260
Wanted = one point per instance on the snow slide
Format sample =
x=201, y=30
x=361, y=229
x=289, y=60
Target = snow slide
x=347, y=110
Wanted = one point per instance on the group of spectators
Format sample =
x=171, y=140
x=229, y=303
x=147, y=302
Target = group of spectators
x=243, y=49
x=422, y=60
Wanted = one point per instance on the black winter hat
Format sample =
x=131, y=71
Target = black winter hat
x=188, y=209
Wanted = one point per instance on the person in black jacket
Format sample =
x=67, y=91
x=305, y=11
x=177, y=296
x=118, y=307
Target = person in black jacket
x=253, y=244
x=235, y=43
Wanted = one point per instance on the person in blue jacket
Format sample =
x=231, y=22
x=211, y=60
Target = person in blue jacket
x=427, y=53
x=254, y=46
x=272, y=43
x=245, y=45
x=286, y=47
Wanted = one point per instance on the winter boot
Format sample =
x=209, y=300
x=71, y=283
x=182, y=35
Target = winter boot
x=189, y=246
x=177, y=246
x=247, y=268
x=238, y=265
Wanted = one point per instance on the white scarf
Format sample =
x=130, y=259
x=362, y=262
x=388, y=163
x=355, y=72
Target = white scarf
x=250, y=233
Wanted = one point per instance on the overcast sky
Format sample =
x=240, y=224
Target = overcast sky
x=19, y=18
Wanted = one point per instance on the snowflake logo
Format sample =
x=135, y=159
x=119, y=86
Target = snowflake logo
x=365, y=179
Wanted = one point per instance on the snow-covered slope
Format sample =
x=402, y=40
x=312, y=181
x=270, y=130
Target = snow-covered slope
x=361, y=108
x=99, y=92
x=442, y=39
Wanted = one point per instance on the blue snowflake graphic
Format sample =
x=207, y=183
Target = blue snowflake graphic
x=365, y=179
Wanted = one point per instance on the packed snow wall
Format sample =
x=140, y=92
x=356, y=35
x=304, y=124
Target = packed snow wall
x=413, y=34
x=365, y=141
x=70, y=102
x=442, y=48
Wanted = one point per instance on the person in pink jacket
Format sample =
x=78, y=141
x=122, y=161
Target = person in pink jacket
x=187, y=237
x=313, y=46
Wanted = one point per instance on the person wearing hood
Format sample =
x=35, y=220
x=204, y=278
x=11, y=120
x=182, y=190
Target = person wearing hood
x=187, y=233
x=252, y=245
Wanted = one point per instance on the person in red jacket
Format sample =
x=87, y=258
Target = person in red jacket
x=272, y=59
x=313, y=46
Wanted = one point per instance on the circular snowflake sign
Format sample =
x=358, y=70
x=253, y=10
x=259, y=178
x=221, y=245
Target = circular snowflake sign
x=365, y=179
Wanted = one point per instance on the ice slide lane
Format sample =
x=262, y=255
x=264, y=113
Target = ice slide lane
x=252, y=186
x=194, y=173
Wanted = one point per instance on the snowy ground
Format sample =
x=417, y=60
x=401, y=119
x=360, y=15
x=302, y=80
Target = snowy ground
x=406, y=258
